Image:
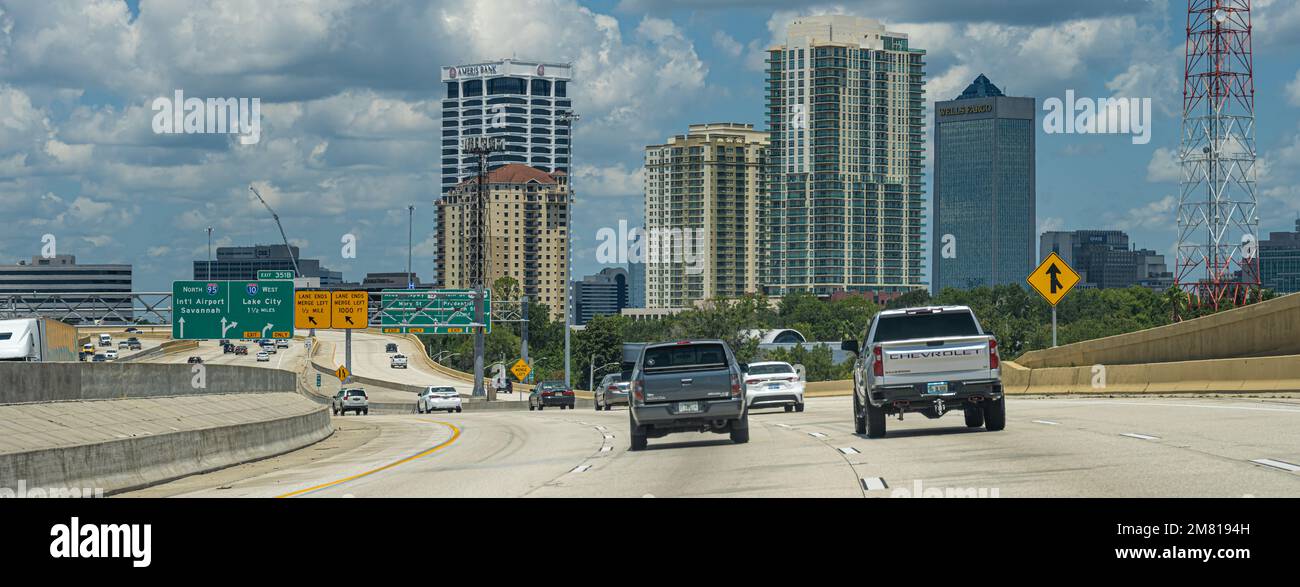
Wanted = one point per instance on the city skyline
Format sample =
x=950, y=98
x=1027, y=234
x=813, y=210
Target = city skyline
x=346, y=158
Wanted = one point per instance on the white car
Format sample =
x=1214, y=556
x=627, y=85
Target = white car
x=437, y=399
x=774, y=383
x=262, y=357
x=111, y=354
x=398, y=362
x=282, y=343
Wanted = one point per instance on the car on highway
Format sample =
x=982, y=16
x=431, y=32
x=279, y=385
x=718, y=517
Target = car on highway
x=774, y=383
x=282, y=343
x=228, y=349
x=928, y=360
x=105, y=340
x=551, y=393
x=350, y=400
x=241, y=350
x=611, y=391
x=98, y=358
x=224, y=342
x=88, y=348
x=132, y=330
x=195, y=360
x=121, y=345
x=262, y=357
x=390, y=347
x=397, y=362
x=134, y=345
x=437, y=399
x=111, y=354
x=687, y=386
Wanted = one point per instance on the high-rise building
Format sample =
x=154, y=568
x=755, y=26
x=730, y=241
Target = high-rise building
x=845, y=212
x=984, y=197
x=1104, y=259
x=1279, y=261
x=86, y=292
x=519, y=101
x=703, y=192
x=243, y=263
x=602, y=294
x=635, y=285
x=527, y=233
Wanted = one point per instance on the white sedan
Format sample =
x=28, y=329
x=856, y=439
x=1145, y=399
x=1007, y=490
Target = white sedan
x=774, y=383
x=263, y=357
x=438, y=399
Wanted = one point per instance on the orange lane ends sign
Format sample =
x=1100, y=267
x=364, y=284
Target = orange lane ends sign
x=350, y=310
x=1053, y=279
x=311, y=309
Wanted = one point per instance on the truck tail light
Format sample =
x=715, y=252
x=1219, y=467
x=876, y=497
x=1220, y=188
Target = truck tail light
x=993, y=353
x=735, y=385
x=877, y=362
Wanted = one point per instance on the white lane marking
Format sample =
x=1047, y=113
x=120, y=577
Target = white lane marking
x=1285, y=466
x=816, y=435
x=601, y=428
x=1155, y=403
x=848, y=450
x=580, y=469
x=1048, y=422
x=1140, y=436
x=784, y=425
x=874, y=483
x=606, y=448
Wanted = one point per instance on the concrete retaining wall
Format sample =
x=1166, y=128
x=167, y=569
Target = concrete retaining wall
x=1269, y=328
x=55, y=382
x=134, y=463
x=1247, y=375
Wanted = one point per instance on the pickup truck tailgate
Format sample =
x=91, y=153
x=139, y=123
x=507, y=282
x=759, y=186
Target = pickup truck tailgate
x=687, y=372
x=936, y=359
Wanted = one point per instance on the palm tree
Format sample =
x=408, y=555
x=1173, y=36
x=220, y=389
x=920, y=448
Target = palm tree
x=1175, y=299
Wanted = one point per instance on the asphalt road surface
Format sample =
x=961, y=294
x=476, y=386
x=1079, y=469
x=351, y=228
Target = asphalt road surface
x=1120, y=447
x=369, y=359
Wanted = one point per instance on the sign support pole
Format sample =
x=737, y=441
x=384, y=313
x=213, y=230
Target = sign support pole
x=347, y=350
x=1053, y=326
x=523, y=339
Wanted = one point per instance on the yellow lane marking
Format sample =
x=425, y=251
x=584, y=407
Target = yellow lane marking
x=455, y=434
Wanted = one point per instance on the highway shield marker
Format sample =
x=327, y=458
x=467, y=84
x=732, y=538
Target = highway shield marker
x=1053, y=279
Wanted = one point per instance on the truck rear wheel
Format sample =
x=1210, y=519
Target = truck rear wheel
x=859, y=419
x=875, y=421
x=637, y=433
x=974, y=417
x=740, y=430
x=995, y=415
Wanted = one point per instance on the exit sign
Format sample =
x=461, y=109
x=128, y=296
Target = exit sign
x=276, y=274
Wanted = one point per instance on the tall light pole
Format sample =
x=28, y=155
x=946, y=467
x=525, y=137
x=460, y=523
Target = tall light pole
x=209, y=253
x=568, y=117
x=483, y=147
x=410, y=245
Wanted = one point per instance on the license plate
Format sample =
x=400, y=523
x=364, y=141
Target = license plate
x=774, y=386
x=688, y=408
x=941, y=387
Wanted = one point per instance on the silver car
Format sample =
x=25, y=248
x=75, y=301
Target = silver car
x=350, y=400
x=438, y=399
x=612, y=391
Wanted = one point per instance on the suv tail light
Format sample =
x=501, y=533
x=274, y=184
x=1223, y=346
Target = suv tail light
x=993, y=353
x=877, y=362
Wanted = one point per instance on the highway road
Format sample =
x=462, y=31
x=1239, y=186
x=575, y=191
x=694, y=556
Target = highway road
x=1052, y=447
x=369, y=359
x=290, y=359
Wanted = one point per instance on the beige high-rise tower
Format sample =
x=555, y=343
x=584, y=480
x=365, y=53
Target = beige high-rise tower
x=527, y=235
x=703, y=192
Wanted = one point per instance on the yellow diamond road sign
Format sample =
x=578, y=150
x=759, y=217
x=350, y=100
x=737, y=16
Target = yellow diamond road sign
x=342, y=374
x=1053, y=279
x=521, y=370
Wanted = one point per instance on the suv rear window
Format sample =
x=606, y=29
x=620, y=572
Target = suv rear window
x=911, y=326
x=685, y=356
x=356, y=393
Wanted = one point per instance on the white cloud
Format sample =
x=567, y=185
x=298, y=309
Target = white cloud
x=1164, y=166
x=1293, y=90
x=727, y=43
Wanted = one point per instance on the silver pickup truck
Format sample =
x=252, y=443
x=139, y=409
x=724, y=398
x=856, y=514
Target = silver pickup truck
x=687, y=386
x=929, y=360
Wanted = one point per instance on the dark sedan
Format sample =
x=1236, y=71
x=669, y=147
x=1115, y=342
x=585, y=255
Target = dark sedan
x=550, y=394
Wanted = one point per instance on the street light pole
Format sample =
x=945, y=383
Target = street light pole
x=209, y=253
x=410, y=245
x=568, y=117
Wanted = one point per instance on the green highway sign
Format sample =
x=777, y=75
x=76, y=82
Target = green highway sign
x=422, y=311
x=275, y=274
x=232, y=309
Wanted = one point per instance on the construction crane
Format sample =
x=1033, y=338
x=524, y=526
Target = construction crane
x=288, y=249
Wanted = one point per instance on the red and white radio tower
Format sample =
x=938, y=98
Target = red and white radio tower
x=1218, y=222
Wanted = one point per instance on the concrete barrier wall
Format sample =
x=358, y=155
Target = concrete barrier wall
x=54, y=382
x=138, y=462
x=1269, y=328
x=1248, y=375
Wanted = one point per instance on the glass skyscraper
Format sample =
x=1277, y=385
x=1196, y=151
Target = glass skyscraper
x=845, y=209
x=984, y=197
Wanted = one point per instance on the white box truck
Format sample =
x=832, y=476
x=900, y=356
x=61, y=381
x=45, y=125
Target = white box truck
x=37, y=339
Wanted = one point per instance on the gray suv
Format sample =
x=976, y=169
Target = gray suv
x=687, y=386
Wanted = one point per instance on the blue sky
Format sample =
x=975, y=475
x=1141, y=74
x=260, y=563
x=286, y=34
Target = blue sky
x=350, y=114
